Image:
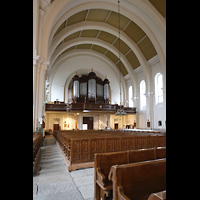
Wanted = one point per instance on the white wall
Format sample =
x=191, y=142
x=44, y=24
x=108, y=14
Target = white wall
x=160, y=109
x=61, y=118
x=67, y=69
x=142, y=114
x=64, y=73
x=153, y=112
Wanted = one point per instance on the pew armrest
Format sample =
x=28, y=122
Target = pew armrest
x=121, y=195
x=100, y=177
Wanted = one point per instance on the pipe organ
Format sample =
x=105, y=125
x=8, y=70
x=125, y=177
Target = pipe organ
x=90, y=88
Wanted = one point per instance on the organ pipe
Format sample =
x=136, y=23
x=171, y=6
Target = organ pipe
x=92, y=85
x=76, y=86
x=106, y=89
x=90, y=88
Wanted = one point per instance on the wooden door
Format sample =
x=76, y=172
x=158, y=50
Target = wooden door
x=89, y=122
x=56, y=127
x=116, y=126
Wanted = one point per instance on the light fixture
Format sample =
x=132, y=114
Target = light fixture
x=120, y=111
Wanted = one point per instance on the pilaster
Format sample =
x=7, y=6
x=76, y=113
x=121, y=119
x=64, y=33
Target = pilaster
x=35, y=59
x=40, y=69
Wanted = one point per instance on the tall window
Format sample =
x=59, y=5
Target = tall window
x=142, y=95
x=158, y=88
x=130, y=95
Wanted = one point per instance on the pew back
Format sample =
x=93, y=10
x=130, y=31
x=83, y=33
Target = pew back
x=160, y=152
x=140, y=155
x=104, y=161
x=138, y=180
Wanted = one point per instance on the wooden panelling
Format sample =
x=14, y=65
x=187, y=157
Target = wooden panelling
x=81, y=146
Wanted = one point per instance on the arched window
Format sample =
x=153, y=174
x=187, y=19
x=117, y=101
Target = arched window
x=142, y=95
x=158, y=88
x=130, y=95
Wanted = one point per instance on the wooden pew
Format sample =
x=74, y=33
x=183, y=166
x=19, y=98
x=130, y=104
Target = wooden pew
x=104, y=161
x=79, y=147
x=160, y=152
x=138, y=180
x=37, y=141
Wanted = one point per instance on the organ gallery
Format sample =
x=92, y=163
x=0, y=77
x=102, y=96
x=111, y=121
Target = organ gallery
x=90, y=88
x=89, y=107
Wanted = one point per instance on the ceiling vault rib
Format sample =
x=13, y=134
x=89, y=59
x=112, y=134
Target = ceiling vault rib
x=106, y=52
x=87, y=14
x=108, y=16
x=98, y=34
x=117, y=62
x=141, y=39
x=128, y=52
x=114, y=40
x=80, y=33
x=126, y=25
x=91, y=46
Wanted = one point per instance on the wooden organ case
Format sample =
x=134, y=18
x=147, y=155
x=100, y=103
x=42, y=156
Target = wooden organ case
x=90, y=89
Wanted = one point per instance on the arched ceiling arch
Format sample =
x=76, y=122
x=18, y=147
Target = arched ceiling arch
x=142, y=25
x=127, y=26
x=59, y=76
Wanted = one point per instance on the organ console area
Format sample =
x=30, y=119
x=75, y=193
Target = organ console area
x=90, y=89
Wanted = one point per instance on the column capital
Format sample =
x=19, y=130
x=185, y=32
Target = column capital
x=35, y=58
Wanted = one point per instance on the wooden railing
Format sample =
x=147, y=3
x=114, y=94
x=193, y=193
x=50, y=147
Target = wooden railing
x=87, y=106
x=56, y=107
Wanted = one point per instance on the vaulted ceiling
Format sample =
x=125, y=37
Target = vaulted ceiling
x=127, y=27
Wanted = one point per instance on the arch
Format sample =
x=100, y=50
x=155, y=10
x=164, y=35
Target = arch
x=113, y=74
x=140, y=12
x=107, y=28
x=95, y=41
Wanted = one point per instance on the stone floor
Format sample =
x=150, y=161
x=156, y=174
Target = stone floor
x=53, y=181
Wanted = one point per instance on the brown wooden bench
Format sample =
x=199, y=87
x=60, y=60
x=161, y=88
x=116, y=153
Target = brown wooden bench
x=79, y=147
x=104, y=161
x=37, y=141
x=137, y=181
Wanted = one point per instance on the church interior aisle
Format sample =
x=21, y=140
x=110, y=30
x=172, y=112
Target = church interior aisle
x=52, y=180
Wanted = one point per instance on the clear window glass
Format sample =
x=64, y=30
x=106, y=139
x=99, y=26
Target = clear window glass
x=159, y=88
x=142, y=95
x=130, y=95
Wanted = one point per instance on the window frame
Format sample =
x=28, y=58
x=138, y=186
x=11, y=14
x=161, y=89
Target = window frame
x=158, y=89
x=130, y=96
x=143, y=99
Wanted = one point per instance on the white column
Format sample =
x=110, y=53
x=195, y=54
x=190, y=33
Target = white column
x=35, y=58
x=37, y=73
x=41, y=91
x=81, y=121
x=108, y=121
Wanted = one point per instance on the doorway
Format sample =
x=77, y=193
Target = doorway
x=56, y=127
x=89, y=122
x=116, y=126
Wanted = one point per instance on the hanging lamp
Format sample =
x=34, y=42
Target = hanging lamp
x=120, y=111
